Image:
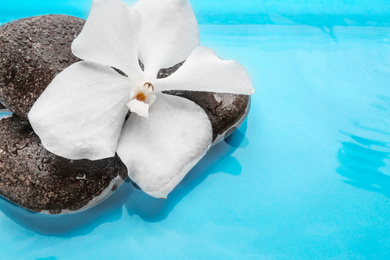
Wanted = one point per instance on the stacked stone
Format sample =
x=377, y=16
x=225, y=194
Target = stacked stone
x=32, y=52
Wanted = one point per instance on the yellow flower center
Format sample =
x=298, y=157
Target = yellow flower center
x=140, y=97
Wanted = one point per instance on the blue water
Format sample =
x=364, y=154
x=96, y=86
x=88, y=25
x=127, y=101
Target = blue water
x=306, y=176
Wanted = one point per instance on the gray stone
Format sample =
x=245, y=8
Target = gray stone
x=225, y=111
x=38, y=180
x=32, y=52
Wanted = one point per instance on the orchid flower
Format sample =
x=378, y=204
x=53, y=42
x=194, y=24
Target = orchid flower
x=81, y=114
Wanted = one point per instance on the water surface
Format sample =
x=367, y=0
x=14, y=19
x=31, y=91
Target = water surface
x=306, y=176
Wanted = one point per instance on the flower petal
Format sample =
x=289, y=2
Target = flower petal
x=81, y=113
x=161, y=150
x=110, y=36
x=139, y=107
x=169, y=33
x=204, y=71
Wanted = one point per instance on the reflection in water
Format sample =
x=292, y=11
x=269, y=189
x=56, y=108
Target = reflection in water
x=218, y=159
x=237, y=138
x=67, y=225
x=365, y=161
x=76, y=224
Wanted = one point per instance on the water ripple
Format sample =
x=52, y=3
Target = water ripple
x=365, y=157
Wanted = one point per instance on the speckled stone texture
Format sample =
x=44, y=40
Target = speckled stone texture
x=32, y=52
x=38, y=180
x=223, y=110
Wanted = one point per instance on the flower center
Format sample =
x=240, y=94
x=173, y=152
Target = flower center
x=141, y=97
x=141, y=94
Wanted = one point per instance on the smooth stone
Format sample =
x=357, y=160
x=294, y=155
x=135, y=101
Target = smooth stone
x=32, y=52
x=38, y=180
x=225, y=111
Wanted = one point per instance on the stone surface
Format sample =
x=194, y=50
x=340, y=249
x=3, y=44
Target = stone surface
x=225, y=111
x=2, y=107
x=32, y=52
x=38, y=180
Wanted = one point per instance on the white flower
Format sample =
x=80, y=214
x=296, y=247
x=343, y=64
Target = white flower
x=141, y=98
x=81, y=114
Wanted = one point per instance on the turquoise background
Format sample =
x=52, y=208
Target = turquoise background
x=309, y=12
x=307, y=176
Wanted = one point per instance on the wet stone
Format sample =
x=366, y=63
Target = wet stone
x=32, y=52
x=38, y=180
x=225, y=111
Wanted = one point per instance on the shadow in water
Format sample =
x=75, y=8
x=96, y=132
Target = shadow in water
x=219, y=159
x=237, y=138
x=70, y=225
x=365, y=160
x=362, y=161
